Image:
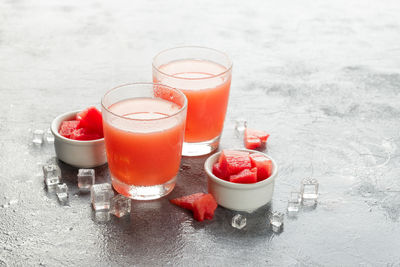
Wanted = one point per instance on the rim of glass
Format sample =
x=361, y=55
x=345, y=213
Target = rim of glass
x=144, y=83
x=230, y=63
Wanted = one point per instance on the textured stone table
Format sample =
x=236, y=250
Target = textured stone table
x=322, y=77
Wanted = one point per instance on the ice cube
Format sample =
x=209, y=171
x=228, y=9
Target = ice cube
x=294, y=203
x=102, y=216
x=52, y=174
x=49, y=137
x=309, y=191
x=238, y=221
x=85, y=179
x=37, y=138
x=120, y=205
x=62, y=192
x=100, y=195
x=240, y=126
x=276, y=221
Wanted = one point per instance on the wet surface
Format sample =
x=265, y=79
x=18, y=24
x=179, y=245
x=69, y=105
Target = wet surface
x=323, y=78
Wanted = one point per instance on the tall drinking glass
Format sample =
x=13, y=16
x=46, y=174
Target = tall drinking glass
x=144, y=126
x=204, y=76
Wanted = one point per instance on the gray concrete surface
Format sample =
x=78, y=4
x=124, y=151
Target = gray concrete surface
x=322, y=77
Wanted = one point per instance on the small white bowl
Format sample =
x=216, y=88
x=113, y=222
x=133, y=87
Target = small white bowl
x=81, y=154
x=240, y=197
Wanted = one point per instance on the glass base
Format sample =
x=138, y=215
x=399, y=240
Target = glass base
x=143, y=192
x=201, y=148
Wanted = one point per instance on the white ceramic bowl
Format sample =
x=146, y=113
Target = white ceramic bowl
x=81, y=154
x=240, y=197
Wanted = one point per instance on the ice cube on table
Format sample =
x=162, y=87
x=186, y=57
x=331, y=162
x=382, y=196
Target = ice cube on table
x=309, y=191
x=49, y=137
x=120, y=205
x=240, y=126
x=52, y=174
x=276, y=221
x=102, y=216
x=100, y=195
x=86, y=179
x=37, y=138
x=62, y=192
x=238, y=221
x=294, y=203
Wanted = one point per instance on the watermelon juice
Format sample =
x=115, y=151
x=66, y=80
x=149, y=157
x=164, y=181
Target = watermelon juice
x=206, y=83
x=143, y=138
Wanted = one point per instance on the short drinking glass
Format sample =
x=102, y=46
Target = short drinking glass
x=144, y=126
x=204, y=76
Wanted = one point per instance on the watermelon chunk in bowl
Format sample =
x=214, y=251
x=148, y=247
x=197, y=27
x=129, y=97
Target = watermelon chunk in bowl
x=241, y=196
x=263, y=165
x=78, y=153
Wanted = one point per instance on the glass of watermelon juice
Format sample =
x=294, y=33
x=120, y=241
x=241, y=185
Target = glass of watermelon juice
x=144, y=126
x=204, y=76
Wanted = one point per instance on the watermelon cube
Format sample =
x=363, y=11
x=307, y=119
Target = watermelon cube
x=202, y=205
x=84, y=135
x=67, y=127
x=217, y=171
x=186, y=202
x=91, y=120
x=247, y=176
x=263, y=165
x=255, y=138
x=233, y=162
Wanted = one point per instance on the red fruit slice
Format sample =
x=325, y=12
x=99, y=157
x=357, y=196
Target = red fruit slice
x=246, y=176
x=67, y=127
x=204, y=207
x=186, y=202
x=83, y=135
x=91, y=120
x=254, y=138
x=233, y=162
x=252, y=143
x=263, y=165
x=217, y=171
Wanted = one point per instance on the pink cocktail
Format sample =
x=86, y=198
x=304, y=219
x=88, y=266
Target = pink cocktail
x=143, y=132
x=204, y=75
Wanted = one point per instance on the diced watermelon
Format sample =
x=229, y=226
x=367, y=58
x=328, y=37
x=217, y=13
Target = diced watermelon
x=263, y=165
x=217, y=171
x=67, y=127
x=247, y=176
x=255, y=138
x=204, y=207
x=91, y=120
x=84, y=135
x=252, y=143
x=233, y=162
x=186, y=202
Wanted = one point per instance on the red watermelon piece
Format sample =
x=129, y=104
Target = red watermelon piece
x=186, y=202
x=233, y=162
x=203, y=205
x=217, y=171
x=255, y=138
x=67, y=127
x=83, y=135
x=263, y=165
x=247, y=176
x=91, y=120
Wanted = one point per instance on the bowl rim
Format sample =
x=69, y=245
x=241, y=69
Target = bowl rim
x=213, y=158
x=55, y=125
